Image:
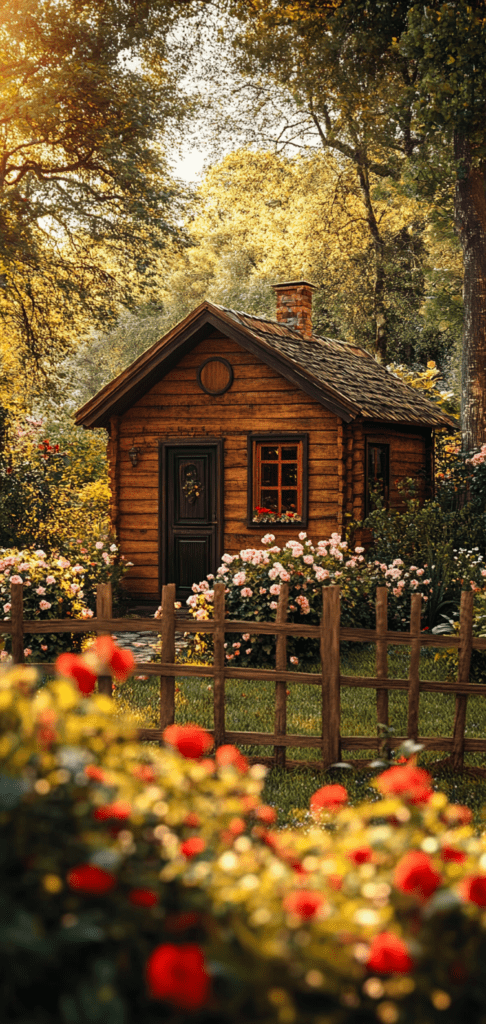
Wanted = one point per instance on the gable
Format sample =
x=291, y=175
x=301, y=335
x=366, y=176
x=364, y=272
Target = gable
x=151, y=367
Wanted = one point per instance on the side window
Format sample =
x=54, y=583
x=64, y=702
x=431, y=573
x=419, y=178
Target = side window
x=278, y=472
x=377, y=474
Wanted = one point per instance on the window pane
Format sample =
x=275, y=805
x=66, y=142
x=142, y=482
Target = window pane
x=269, y=454
x=270, y=474
x=289, y=475
x=270, y=500
x=289, y=453
x=289, y=501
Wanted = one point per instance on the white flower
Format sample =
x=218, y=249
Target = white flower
x=50, y=580
x=309, y=559
x=86, y=613
x=302, y=535
x=40, y=554
x=268, y=538
x=239, y=579
x=99, y=545
x=275, y=588
x=106, y=558
x=7, y=607
x=284, y=576
x=113, y=547
x=294, y=660
x=273, y=605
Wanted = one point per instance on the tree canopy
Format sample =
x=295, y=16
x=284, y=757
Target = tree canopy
x=88, y=100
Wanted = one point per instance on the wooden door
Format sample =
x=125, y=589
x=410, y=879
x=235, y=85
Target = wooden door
x=191, y=513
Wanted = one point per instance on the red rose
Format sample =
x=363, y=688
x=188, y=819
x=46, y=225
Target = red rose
x=143, y=897
x=144, y=772
x=192, y=820
x=457, y=814
x=119, y=810
x=415, y=874
x=304, y=902
x=473, y=888
x=329, y=797
x=120, y=662
x=451, y=854
x=190, y=740
x=95, y=773
x=389, y=955
x=74, y=667
x=361, y=854
x=231, y=755
x=191, y=847
x=266, y=814
x=177, y=974
x=407, y=781
x=91, y=880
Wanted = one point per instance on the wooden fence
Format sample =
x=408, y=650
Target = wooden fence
x=329, y=633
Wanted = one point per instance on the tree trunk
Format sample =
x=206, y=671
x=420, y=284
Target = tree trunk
x=381, y=333
x=470, y=219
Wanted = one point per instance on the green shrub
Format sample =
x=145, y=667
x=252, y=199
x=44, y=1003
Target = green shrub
x=141, y=884
x=52, y=489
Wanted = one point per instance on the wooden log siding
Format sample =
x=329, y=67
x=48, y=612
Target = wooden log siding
x=259, y=400
x=329, y=632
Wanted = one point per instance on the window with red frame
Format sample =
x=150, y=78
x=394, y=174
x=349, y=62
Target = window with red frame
x=278, y=478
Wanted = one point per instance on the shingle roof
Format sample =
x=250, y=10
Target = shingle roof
x=351, y=371
x=343, y=377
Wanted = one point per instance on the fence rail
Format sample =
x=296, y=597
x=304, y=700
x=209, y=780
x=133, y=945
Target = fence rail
x=330, y=634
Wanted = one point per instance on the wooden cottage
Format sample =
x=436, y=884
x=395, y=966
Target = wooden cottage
x=230, y=413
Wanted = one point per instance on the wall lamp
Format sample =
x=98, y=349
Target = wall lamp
x=134, y=455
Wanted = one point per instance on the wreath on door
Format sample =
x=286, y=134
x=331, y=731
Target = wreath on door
x=192, y=488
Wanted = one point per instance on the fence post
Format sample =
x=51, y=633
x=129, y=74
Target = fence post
x=281, y=666
x=167, y=655
x=17, y=615
x=104, y=610
x=218, y=664
x=414, y=679
x=381, y=653
x=465, y=652
x=331, y=675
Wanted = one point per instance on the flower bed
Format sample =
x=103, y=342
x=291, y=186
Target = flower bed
x=57, y=587
x=171, y=895
x=253, y=579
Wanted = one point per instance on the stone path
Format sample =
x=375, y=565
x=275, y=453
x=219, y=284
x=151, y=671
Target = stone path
x=143, y=646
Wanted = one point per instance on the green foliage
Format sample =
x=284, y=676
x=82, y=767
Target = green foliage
x=86, y=197
x=52, y=491
x=75, y=954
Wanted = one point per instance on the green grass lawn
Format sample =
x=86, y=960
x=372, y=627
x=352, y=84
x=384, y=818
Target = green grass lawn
x=250, y=706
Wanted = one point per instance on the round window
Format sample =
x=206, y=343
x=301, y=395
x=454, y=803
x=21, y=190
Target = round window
x=215, y=376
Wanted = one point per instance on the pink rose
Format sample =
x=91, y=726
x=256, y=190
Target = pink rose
x=44, y=605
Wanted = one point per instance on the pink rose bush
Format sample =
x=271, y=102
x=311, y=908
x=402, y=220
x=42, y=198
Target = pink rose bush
x=57, y=586
x=254, y=576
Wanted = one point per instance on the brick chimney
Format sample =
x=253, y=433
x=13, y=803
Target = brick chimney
x=294, y=305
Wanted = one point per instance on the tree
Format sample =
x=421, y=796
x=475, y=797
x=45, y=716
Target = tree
x=413, y=78
x=89, y=90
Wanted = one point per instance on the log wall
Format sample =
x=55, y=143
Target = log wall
x=259, y=400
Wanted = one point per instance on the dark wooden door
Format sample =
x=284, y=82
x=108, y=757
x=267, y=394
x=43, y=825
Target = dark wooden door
x=191, y=520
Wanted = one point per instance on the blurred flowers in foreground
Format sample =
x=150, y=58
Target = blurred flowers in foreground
x=140, y=881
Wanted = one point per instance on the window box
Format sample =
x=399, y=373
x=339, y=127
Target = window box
x=277, y=479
